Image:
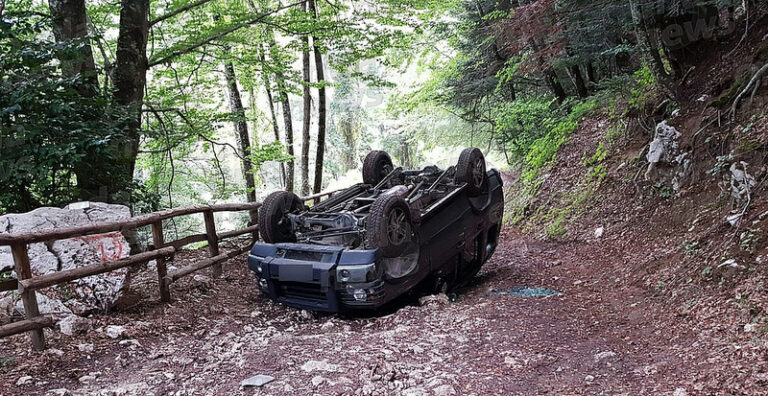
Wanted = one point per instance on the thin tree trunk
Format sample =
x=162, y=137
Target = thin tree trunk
x=321, y=112
x=129, y=81
x=591, y=73
x=550, y=76
x=307, y=121
x=287, y=120
x=271, y=102
x=578, y=81
x=241, y=133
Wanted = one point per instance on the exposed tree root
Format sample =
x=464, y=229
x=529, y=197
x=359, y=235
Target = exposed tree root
x=753, y=82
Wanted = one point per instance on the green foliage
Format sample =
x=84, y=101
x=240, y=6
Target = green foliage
x=47, y=127
x=749, y=238
x=597, y=170
x=722, y=163
x=644, y=88
x=543, y=150
x=690, y=248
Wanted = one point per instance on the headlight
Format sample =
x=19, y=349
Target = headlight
x=356, y=273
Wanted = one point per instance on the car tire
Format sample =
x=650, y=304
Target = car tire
x=388, y=225
x=376, y=167
x=274, y=225
x=471, y=170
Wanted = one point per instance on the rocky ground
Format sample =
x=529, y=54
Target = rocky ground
x=601, y=335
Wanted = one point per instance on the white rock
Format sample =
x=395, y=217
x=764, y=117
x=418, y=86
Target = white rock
x=91, y=293
x=733, y=219
x=86, y=379
x=130, y=342
x=47, y=305
x=730, y=263
x=114, y=331
x=257, y=380
x=664, y=149
x=55, y=352
x=6, y=309
x=589, y=378
x=741, y=181
x=438, y=299
x=664, y=146
x=750, y=327
x=317, y=381
x=604, y=355
x=85, y=347
x=680, y=392
x=24, y=380
x=201, y=281
x=444, y=390
x=319, y=365
x=599, y=232
x=73, y=324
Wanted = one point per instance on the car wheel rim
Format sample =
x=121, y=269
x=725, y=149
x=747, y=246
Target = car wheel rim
x=283, y=222
x=397, y=227
x=477, y=172
x=385, y=170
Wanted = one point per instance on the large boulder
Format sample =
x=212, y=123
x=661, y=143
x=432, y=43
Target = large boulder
x=667, y=163
x=81, y=296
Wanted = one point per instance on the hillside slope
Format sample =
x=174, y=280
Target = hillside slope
x=691, y=229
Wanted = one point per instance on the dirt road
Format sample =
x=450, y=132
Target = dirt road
x=600, y=336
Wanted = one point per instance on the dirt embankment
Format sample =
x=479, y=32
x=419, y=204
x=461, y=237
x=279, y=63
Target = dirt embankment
x=674, y=243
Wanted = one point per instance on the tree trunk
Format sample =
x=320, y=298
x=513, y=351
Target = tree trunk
x=578, y=81
x=554, y=85
x=648, y=49
x=591, y=73
x=241, y=134
x=321, y=112
x=307, y=121
x=550, y=76
x=350, y=127
x=129, y=81
x=271, y=102
x=70, y=23
x=287, y=120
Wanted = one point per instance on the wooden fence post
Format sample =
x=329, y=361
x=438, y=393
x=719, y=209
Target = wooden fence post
x=213, y=239
x=28, y=297
x=159, y=241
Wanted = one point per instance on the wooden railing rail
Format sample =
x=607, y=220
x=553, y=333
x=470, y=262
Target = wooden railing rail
x=162, y=251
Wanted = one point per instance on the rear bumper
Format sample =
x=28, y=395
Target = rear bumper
x=317, y=278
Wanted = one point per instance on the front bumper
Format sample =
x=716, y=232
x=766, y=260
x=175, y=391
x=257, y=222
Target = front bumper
x=318, y=278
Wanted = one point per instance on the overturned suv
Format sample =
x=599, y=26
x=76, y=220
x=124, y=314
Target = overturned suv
x=374, y=241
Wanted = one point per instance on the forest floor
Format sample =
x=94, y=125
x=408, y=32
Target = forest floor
x=601, y=335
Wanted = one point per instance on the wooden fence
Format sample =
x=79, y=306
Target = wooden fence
x=163, y=251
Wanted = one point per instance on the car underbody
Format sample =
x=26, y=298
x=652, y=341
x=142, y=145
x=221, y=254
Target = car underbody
x=376, y=240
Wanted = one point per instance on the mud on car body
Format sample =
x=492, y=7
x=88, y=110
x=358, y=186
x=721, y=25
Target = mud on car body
x=377, y=240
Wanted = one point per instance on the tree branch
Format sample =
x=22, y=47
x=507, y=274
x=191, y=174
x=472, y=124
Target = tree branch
x=178, y=11
x=215, y=37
